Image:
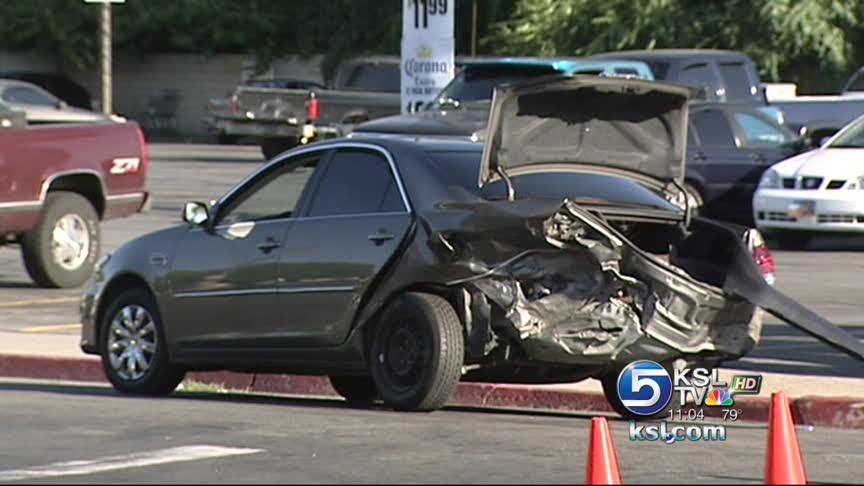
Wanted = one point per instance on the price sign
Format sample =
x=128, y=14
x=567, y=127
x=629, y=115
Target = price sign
x=427, y=50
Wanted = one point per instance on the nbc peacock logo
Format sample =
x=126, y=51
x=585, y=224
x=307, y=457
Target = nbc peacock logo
x=719, y=398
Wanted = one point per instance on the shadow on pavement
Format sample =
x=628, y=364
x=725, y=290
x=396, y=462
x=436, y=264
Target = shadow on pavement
x=785, y=349
x=281, y=400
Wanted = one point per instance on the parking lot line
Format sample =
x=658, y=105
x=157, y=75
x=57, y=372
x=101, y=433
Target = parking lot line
x=54, y=327
x=112, y=463
x=24, y=303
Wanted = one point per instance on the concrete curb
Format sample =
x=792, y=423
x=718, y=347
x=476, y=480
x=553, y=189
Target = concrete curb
x=837, y=412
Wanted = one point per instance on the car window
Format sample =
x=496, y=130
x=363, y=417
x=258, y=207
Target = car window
x=856, y=83
x=475, y=83
x=738, y=84
x=850, y=137
x=700, y=76
x=28, y=96
x=275, y=195
x=374, y=77
x=356, y=181
x=760, y=133
x=713, y=128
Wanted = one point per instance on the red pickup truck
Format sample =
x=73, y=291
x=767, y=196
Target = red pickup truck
x=57, y=182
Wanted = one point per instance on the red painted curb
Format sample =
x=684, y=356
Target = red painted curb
x=838, y=412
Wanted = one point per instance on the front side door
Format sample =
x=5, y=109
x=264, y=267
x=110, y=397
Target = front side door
x=225, y=276
x=356, y=220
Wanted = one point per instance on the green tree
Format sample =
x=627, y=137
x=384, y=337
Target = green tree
x=786, y=38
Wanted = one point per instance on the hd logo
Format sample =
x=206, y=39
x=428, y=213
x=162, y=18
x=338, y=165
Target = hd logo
x=645, y=387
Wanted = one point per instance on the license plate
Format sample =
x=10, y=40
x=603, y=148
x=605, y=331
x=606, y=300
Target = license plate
x=800, y=209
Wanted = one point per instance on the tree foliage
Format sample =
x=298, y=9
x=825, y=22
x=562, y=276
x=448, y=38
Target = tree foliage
x=811, y=42
x=815, y=43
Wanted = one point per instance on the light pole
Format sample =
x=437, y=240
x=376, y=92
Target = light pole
x=105, y=48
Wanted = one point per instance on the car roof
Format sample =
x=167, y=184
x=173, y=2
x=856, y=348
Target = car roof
x=668, y=54
x=5, y=83
x=428, y=144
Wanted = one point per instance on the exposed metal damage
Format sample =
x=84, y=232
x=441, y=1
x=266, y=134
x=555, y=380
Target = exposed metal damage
x=592, y=297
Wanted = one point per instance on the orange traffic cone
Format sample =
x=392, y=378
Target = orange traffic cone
x=783, y=462
x=602, y=460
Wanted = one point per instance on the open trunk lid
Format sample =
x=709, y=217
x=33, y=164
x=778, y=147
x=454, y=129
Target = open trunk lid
x=608, y=125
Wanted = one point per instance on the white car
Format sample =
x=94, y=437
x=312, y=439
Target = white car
x=818, y=191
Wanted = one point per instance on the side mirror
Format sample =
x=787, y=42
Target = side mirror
x=61, y=105
x=196, y=213
x=824, y=141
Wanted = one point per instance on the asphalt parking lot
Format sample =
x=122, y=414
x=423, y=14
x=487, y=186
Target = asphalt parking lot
x=217, y=438
x=827, y=278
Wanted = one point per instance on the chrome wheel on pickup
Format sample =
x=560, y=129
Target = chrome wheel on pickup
x=61, y=250
x=70, y=242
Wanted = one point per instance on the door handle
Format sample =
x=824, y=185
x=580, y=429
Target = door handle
x=268, y=245
x=379, y=238
x=698, y=156
x=757, y=157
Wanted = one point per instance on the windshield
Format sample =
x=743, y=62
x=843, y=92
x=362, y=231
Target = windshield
x=473, y=85
x=851, y=137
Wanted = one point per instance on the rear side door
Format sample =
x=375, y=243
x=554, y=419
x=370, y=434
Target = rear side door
x=354, y=224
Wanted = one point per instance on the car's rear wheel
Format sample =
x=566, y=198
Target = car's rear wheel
x=61, y=250
x=271, y=147
x=132, y=345
x=417, y=352
x=610, y=391
x=355, y=389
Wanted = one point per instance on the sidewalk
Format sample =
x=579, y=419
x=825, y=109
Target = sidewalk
x=817, y=400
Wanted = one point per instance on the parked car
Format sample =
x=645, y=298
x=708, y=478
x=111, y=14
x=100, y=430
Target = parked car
x=731, y=76
x=461, y=109
x=365, y=88
x=381, y=263
x=57, y=84
x=818, y=191
x=729, y=146
x=855, y=84
x=57, y=182
x=40, y=106
x=10, y=118
x=223, y=107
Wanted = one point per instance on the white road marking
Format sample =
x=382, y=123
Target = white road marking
x=111, y=463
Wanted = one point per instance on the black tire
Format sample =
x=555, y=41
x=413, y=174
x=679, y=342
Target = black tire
x=417, y=352
x=355, y=389
x=225, y=139
x=271, y=147
x=160, y=377
x=610, y=391
x=36, y=244
x=790, y=240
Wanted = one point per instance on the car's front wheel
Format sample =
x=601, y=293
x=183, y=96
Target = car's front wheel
x=132, y=345
x=417, y=352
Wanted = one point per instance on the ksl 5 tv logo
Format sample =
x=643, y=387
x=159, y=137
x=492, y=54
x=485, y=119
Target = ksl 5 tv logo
x=645, y=387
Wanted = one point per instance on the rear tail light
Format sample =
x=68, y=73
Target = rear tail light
x=232, y=107
x=312, y=107
x=761, y=254
x=145, y=151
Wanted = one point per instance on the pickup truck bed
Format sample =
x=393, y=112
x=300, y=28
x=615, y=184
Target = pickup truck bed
x=57, y=182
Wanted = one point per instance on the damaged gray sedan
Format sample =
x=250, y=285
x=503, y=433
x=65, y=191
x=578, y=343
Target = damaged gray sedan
x=400, y=267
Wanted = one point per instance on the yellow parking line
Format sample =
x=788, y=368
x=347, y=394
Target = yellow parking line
x=55, y=327
x=24, y=303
